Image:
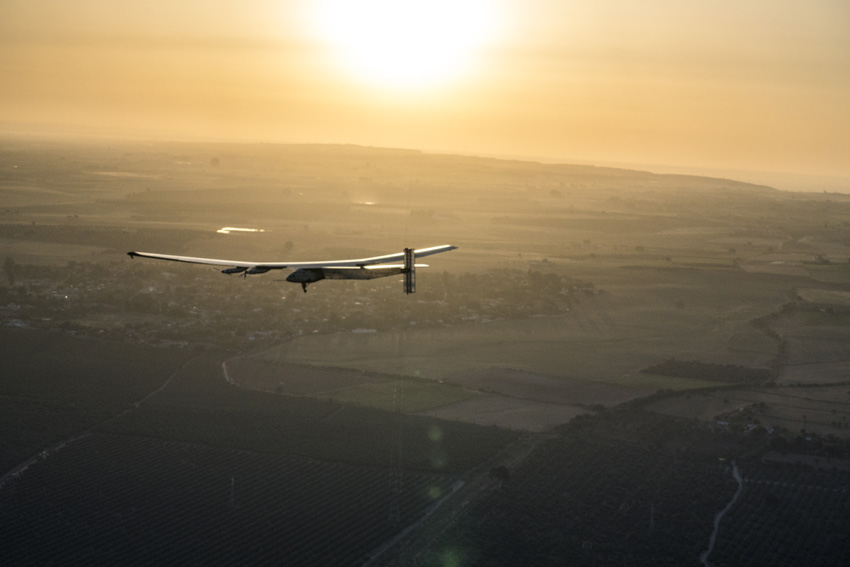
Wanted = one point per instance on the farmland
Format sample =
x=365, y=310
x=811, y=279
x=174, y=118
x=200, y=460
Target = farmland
x=202, y=471
x=808, y=512
x=56, y=386
x=610, y=338
x=633, y=512
x=196, y=504
x=594, y=501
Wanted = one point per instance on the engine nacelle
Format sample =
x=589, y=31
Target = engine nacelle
x=233, y=270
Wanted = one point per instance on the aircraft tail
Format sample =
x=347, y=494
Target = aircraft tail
x=409, y=270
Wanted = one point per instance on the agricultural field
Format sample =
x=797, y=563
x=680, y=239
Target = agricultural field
x=199, y=406
x=570, y=281
x=808, y=518
x=596, y=353
x=102, y=495
x=344, y=385
x=632, y=486
x=200, y=470
x=824, y=410
x=591, y=503
x=717, y=310
x=56, y=386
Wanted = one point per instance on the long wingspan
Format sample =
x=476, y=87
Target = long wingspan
x=265, y=266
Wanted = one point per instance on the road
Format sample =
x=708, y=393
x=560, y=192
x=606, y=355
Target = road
x=737, y=474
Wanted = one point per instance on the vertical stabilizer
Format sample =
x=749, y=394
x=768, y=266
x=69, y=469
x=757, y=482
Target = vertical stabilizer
x=409, y=270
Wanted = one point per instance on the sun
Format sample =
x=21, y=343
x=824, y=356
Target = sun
x=406, y=44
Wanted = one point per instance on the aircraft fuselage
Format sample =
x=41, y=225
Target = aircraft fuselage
x=311, y=275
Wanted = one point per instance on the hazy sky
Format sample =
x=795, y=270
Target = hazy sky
x=755, y=84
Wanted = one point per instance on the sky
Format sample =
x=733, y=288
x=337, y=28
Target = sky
x=754, y=85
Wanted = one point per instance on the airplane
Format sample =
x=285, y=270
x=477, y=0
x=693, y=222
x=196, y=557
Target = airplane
x=311, y=272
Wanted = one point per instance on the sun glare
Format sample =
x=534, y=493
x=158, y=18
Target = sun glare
x=406, y=44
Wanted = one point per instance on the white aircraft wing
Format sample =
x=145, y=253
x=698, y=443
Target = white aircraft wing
x=265, y=266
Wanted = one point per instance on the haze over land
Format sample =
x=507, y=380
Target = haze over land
x=755, y=86
x=572, y=286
